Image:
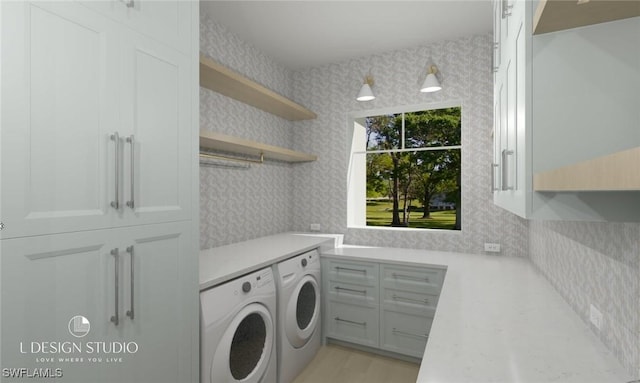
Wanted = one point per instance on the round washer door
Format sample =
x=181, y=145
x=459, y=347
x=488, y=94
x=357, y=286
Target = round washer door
x=303, y=311
x=244, y=350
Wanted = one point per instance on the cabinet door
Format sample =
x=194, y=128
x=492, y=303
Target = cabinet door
x=497, y=23
x=159, y=303
x=156, y=111
x=168, y=21
x=510, y=130
x=46, y=282
x=59, y=67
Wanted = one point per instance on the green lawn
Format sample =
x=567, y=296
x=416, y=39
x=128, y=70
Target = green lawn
x=379, y=214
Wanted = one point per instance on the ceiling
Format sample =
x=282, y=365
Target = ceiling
x=301, y=34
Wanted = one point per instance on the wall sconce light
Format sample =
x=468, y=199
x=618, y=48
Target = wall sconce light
x=366, y=94
x=431, y=83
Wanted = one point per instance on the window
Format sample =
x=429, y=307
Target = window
x=405, y=169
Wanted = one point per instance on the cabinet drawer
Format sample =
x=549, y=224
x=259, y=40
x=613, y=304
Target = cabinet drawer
x=426, y=280
x=404, y=333
x=353, y=272
x=350, y=293
x=409, y=301
x=353, y=323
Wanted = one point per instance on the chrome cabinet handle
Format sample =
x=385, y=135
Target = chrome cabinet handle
x=363, y=324
x=494, y=166
x=399, y=298
x=505, y=169
x=410, y=277
x=506, y=8
x=116, y=255
x=131, y=141
x=396, y=331
x=338, y=268
x=352, y=290
x=129, y=312
x=494, y=67
x=116, y=202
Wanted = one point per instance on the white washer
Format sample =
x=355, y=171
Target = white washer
x=298, y=285
x=237, y=330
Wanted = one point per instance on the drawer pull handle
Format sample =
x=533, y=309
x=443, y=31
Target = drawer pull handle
x=338, y=268
x=410, y=277
x=396, y=331
x=364, y=292
x=363, y=324
x=399, y=298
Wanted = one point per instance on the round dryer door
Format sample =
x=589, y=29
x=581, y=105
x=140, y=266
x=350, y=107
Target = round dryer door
x=303, y=311
x=245, y=348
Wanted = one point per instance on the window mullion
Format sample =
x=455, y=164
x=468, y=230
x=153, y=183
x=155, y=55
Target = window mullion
x=402, y=133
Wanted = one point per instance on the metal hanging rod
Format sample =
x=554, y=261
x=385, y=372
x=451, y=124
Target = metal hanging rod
x=227, y=158
x=213, y=163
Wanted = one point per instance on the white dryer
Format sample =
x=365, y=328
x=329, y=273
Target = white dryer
x=299, y=330
x=237, y=330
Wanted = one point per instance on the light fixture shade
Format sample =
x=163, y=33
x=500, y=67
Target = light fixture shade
x=430, y=84
x=365, y=94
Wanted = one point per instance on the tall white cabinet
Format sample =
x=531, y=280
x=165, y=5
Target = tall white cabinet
x=98, y=191
x=561, y=98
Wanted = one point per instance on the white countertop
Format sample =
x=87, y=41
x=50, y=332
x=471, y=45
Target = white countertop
x=499, y=320
x=221, y=264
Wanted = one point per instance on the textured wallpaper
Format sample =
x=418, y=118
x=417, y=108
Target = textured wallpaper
x=320, y=188
x=596, y=263
x=241, y=204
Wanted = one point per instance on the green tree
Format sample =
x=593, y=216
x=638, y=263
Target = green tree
x=439, y=170
x=421, y=175
x=383, y=133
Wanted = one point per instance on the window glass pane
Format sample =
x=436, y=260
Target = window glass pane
x=433, y=128
x=384, y=132
x=418, y=189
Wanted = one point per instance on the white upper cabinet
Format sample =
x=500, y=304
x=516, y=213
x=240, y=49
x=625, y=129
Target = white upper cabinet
x=563, y=98
x=163, y=20
x=60, y=67
x=510, y=183
x=77, y=82
x=155, y=124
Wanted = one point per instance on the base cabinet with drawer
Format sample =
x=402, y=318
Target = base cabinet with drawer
x=380, y=305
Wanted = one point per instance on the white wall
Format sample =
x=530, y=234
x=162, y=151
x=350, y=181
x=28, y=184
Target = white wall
x=320, y=190
x=235, y=204
x=596, y=263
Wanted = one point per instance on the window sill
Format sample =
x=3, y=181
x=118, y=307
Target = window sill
x=401, y=229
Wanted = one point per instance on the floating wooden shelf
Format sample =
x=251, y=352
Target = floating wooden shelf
x=615, y=172
x=232, y=84
x=226, y=143
x=557, y=15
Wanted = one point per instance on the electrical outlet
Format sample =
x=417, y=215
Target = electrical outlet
x=492, y=247
x=314, y=227
x=595, y=316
